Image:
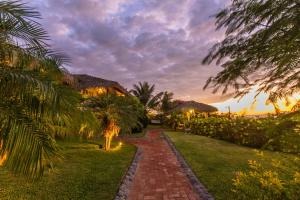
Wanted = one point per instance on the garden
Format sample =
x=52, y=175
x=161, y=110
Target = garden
x=277, y=133
x=240, y=157
x=231, y=171
x=55, y=142
x=62, y=134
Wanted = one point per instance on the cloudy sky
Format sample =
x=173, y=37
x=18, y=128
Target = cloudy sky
x=159, y=41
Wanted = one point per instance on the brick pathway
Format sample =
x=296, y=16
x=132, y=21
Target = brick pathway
x=159, y=174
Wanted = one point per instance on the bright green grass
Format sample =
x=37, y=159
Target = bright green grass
x=86, y=172
x=215, y=162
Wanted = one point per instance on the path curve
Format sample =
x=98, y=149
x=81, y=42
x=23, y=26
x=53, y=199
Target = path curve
x=159, y=175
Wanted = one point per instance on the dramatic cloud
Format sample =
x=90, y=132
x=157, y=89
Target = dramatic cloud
x=162, y=42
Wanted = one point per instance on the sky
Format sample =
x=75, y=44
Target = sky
x=255, y=104
x=159, y=41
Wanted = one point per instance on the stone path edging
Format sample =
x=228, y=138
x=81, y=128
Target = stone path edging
x=123, y=191
x=199, y=187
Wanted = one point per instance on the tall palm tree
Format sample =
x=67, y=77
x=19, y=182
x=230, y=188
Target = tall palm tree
x=34, y=105
x=115, y=113
x=166, y=101
x=145, y=93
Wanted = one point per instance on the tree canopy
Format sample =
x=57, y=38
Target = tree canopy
x=166, y=101
x=145, y=93
x=115, y=114
x=261, y=47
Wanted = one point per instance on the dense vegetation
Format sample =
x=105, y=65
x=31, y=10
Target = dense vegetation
x=35, y=105
x=273, y=133
x=261, y=47
x=224, y=169
x=115, y=114
x=160, y=102
x=38, y=107
x=38, y=103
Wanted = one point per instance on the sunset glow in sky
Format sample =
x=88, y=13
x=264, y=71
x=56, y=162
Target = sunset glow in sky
x=250, y=104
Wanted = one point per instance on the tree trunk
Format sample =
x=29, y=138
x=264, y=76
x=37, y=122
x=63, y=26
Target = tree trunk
x=111, y=130
x=3, y=158
x=109, y=141
x=106, y=148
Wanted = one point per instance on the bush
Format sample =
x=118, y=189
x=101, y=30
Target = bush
x=143, y=123
x=270, y=183
x=238, y=130
x=277, y=134
x=174, y=120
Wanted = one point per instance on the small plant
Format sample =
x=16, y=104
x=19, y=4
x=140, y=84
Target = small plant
x=115, y=114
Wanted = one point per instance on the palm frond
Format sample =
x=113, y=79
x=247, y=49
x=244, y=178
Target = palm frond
x=34, y=105
x=155, y=100
x=144, y=92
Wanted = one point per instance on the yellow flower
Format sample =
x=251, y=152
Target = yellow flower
x=276, y=163
x=260, y=153
x=296, y=177
x=263, y=182
x=253, y=164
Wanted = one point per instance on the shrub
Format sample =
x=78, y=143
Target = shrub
x=174, y=120
x=277, y=134
x=238, y=130
x=269, y=183
x=143, y=123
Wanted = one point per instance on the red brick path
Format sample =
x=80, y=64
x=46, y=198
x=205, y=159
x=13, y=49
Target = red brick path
x=159, y=174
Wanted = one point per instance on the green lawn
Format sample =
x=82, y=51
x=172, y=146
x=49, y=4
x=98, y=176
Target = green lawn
x=86, y=172
x=215, y=162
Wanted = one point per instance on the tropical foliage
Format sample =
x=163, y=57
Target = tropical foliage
x=34, y=105
x=115, y=113
x=261, y=47
x=145, y=93
x=84, y=124
x=278, y=134
x=166, y=101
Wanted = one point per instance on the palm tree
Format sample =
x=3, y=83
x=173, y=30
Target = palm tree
x=166, y=101
x=34, y=105
x=115, y=113
x=144, y=92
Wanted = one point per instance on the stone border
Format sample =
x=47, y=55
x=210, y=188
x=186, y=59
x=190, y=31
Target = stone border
x=127, y=180
x=198, y=187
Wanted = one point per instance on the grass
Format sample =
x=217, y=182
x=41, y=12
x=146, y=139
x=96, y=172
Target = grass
x=215, y=162
x=154, y=126
x=86, y=172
